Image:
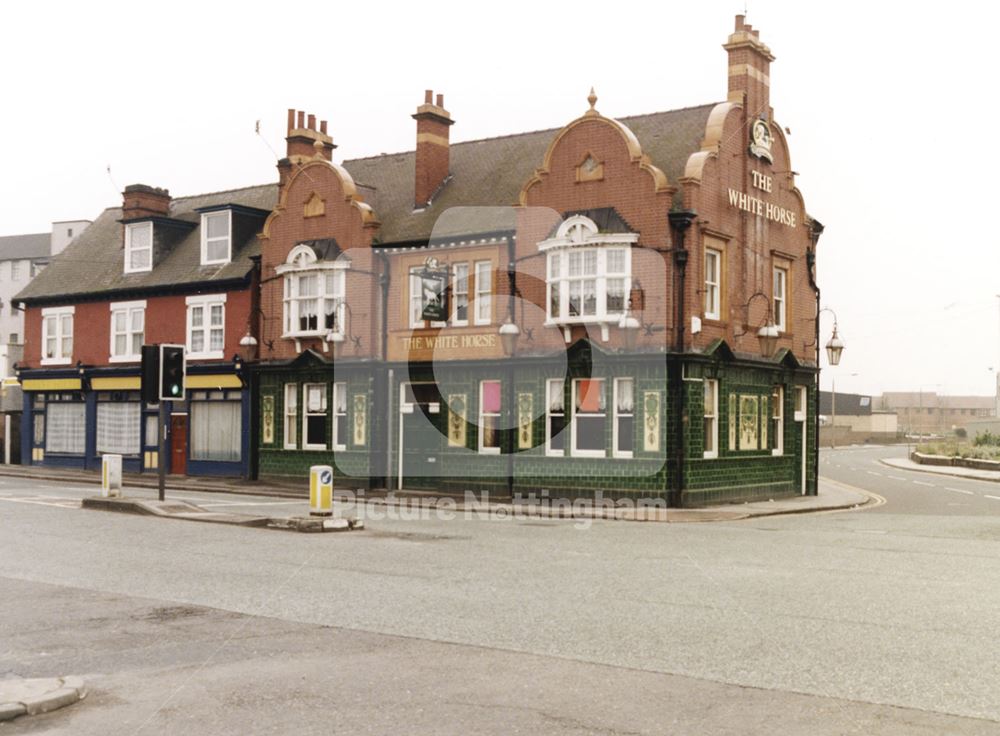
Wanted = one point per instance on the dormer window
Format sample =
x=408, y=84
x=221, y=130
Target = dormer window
x=314, y=294
x=589, y=274
x=138, y=247
x=216, y=237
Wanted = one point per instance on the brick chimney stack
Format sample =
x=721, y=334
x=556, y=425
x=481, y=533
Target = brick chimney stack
x=432, y=160
x=749, y=70
x=140, y=200
x=305, y=140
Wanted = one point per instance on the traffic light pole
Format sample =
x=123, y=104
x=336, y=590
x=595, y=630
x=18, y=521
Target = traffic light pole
x=161, y=463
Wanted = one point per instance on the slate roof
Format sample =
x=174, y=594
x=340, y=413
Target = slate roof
x=16, y=247
x=94, y=262
x=493, y=170
x=487, y=173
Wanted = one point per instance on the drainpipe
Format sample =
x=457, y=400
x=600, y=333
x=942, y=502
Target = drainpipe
x=383, y=390
x=680, y=221
x=815, y=230
x=511, y=432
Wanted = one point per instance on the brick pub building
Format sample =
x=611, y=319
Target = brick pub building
x=618, y=306
x=602, y=291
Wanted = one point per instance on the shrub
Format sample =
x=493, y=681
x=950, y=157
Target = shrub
x=987, y=439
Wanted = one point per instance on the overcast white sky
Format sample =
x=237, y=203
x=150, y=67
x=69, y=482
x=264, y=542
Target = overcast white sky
x=891, y=111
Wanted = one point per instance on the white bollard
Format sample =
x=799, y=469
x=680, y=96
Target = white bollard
x=321, y=490
x=111, y=476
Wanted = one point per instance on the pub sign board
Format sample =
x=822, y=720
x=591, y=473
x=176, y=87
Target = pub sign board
x=434, y=292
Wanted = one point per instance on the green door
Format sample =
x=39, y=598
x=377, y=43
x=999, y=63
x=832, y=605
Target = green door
x=422, y=413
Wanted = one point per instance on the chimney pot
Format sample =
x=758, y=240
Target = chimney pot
x=440, y=100
x=291, y=118
x=302, y=119
x=322, y=127
x=312, y=122
x=432, y=154
x=740, y=19
x=428, y=96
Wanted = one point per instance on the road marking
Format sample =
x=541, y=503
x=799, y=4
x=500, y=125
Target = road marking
x=922, y=483
x=872, y=472
x=897, y=477
x=995, y=498
x=302, y=502
x=63, y=503
x=959, y=490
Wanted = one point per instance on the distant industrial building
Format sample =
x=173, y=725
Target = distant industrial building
x=856, y=419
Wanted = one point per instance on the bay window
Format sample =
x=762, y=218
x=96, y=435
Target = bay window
x=313, y=294
x=589, y=273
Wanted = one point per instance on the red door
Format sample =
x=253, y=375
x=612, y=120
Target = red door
x=178, y=444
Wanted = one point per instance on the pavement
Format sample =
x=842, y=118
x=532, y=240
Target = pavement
x=956, y=472
x=833, y=496
x=33, y=696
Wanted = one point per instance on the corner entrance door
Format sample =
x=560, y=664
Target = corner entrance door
x=178, y=444
x=420, y=439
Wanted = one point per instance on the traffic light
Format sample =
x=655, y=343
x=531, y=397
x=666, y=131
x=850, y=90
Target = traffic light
x=150, y=381
x=172, y=370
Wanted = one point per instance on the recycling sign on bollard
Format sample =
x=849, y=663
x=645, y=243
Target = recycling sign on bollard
x=321, y=490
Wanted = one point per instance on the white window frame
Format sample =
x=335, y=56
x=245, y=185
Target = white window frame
x=54, y=317
x=482, y=414
x=615, y=416
x=340, y=410
x=291, y=409
x=455, y=293
x=130, y=228
x=15, y=270
x=778, y=420
x=713, y=284
x=801, y=399
x=780, y=298
x=128, y=308
x=579, y=234
x=484, y=293
x=206, y=241
x=712, y=388
x=306, y=413
x=573, y=451
x=205, y=302
x=302, y=262
x=549, y=451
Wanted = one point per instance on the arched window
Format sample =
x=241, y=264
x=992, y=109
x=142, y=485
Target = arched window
x=589, y=274
x=314, y=293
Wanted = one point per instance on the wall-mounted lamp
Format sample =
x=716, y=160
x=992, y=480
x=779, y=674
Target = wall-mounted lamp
x=767, y=335
x=509, y=332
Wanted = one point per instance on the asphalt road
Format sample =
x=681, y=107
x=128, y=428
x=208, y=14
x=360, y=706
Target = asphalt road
x=871, y=622
x=909, y=492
